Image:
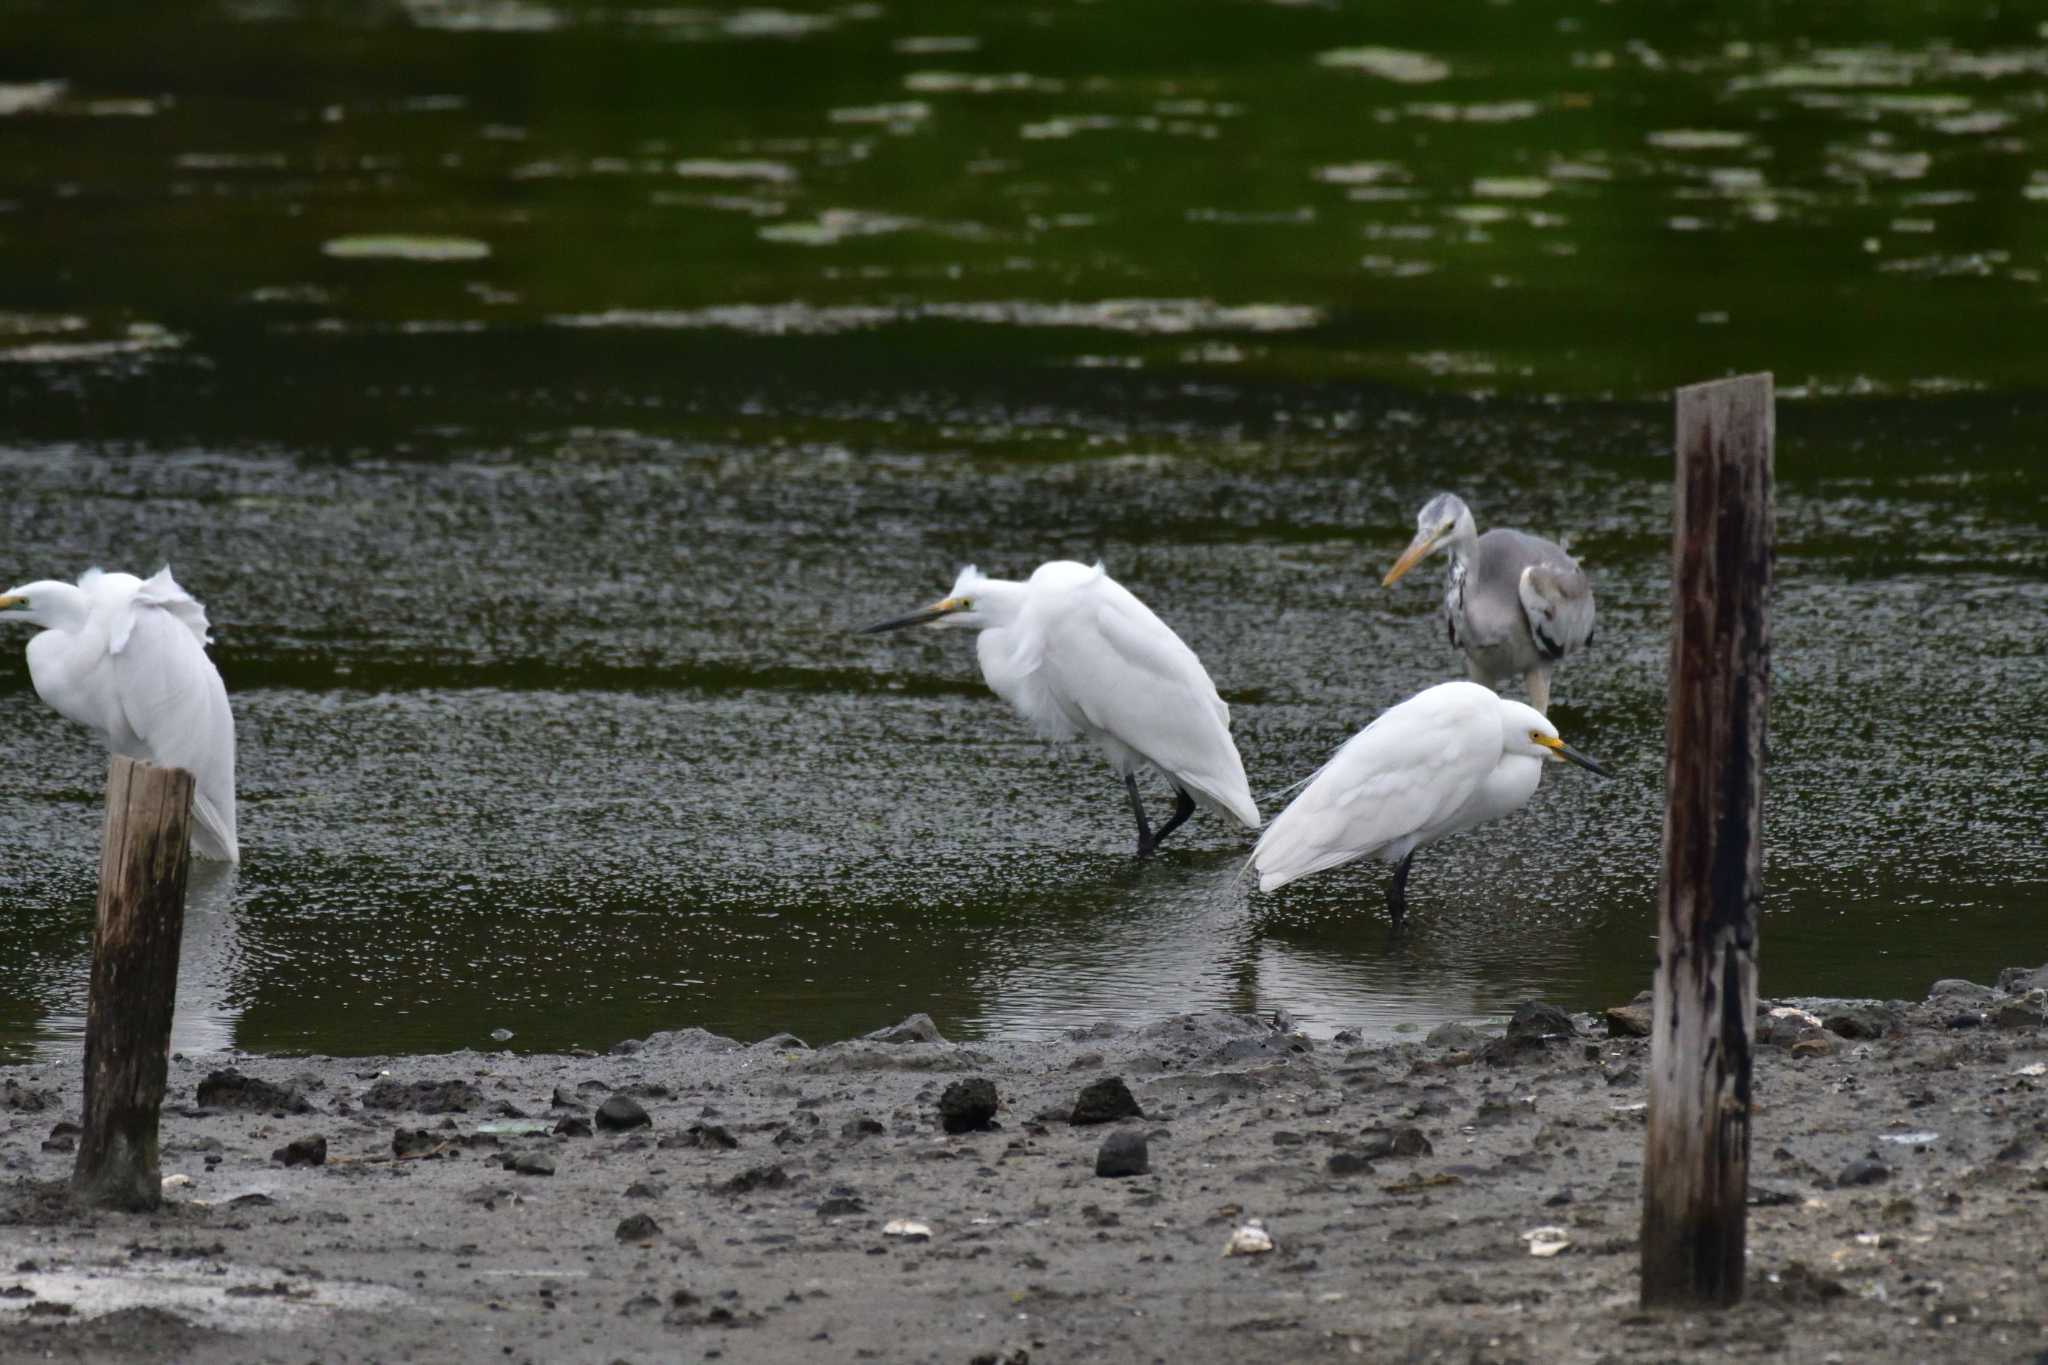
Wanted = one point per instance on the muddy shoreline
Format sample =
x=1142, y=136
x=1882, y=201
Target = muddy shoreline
x=1472, y=1197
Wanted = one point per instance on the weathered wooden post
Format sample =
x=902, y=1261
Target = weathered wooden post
x=1696, y=1160
x=141, y=917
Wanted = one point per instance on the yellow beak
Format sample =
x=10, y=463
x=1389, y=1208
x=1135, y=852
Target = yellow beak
x=13, y=601
x=1413, y=555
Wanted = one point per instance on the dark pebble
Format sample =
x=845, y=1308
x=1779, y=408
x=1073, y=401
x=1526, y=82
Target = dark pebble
x=756, y=1178
x=1534, y=1019
x=968, y=1106
x=1106, y=1101
x=1349, y=1163
x=853, y=1130
x=573, y=1126
x=310, y=1151
x=1403, y=1141
x=565, y=1099
x=841, y=1206
x=1123, y=1153
x=620, y=1113
x=637, y=1228
x=1967, y=1019
x=230, y=1089
x=412, y=1141
x=1865, y=1172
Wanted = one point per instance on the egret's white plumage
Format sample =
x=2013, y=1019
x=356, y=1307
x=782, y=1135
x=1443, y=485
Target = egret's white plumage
x=1516, y=604
x=127, y=659
x=1448, y=758
x=1080, y=657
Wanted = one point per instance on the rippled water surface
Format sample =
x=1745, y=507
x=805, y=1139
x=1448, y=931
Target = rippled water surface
x=538, y=395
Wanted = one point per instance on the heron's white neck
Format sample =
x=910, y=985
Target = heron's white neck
x=51, y=605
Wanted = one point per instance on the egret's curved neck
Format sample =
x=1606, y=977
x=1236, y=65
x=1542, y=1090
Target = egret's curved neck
x=51, y=605
x=998, y=602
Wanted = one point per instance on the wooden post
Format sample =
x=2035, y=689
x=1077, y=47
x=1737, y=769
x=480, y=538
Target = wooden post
x=1696, y=1159
x=141, y=917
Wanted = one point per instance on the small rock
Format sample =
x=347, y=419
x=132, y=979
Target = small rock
x=230, y=1089
x=639, y=1227
x=1123, y=1153
x=531, y=1163
x=841, y=1206
x=1959, y=991
x=1967, y=1019
x=421, y=1097
x=1106, y=1101
x=1347, y=1036
x=24, y=1100
x=1454, y=1035
x=909, y=1229
x=756, y=1178
x=572, y=1126
x=412, y=1142
x=1628, y=1021
x=2016, y=980
x=1857, y=1021
x=310, y=1151
x=711, y=1135
x=1558, y=1200
x=1816, y=1043
x=1534, y=1019
x=645, y=1189
x=1800, y=1283
x=1407, y=1140
x=1349, y=1163
x=1867, y=1171
x=63, y=1137
x=564, y=1098
x=853, y=1130
x=620, y=1113
x=2027, y=1011
x=1251, y=1239
x=918, y=1028
x=968, y=1106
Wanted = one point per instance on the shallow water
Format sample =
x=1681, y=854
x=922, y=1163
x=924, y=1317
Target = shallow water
x=538, y=396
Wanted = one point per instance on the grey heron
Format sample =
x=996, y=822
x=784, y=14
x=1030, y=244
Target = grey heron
x=1516, y=604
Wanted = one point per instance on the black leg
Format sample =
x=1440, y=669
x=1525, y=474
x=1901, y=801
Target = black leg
x=1145, y=839
x=1183, y=807
x=1397, y=894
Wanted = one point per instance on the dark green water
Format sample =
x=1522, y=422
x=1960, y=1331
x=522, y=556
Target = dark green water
x=537, y=395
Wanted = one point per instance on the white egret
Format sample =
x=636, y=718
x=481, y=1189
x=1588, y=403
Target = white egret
x=1448, y=758
x=1517, y=604
x=127, y=660
x=1080, y=657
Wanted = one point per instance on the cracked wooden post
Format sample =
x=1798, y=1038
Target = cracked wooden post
x=140, y=919
x=1696, y=1158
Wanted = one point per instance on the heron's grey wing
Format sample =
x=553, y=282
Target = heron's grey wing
x=1402, y=774
x=1138, y=682
x=172, y=698
x=1557, y=598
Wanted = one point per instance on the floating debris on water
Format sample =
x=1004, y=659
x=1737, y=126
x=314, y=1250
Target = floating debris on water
x=21, y=97
x=1388, y=63
x=405, y=247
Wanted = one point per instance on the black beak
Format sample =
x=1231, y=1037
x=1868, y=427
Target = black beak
x=1571, y=755
x=921, y=616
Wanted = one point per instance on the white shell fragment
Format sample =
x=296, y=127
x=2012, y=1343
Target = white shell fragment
x=1252, y=1239
x=907, y=1228
x=1547, y=1240
x=1793, y=1012
x=1920, y=1139
x=2033, y=1069
x=172, y=1182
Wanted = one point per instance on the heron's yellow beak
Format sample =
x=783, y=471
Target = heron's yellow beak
x=1566, y=753
x=945, y=606
x=15, y=600
x=1417, y=550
